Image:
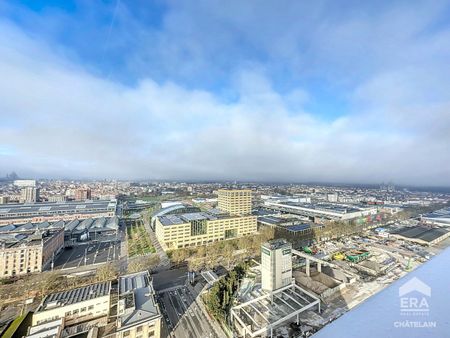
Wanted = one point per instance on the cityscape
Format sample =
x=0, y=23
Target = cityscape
x=183, y=259
x=240, y=169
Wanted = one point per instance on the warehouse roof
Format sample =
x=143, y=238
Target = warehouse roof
x=420, y=232
x=102, y=223
x=44, y=208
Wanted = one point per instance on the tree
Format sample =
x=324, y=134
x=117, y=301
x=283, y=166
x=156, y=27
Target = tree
x=106, y=272
x=143, y=263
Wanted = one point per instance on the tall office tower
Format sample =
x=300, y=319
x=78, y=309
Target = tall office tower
x=30, y=194
x=235, y=202
x=276, y=264
x=82, y=194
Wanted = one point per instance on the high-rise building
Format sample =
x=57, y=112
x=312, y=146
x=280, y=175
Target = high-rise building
x=235, y=202
x=276, y=264
x=82, y=194
x=25, y=183
x=30, y=195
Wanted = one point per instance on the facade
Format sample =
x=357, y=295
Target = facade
x=138, y=314
x=29, y=195
x=21, y=253
x=19, y=213
x=51, y=329
x=25, y=183
x=333, y=198
x=57, y=198
x=201, y=228
x=4, y=199
x=276, y=264
x=83, y=194
x=235, y=202
x=75, y=305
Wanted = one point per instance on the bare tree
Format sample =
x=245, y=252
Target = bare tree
x=143, y=263
x=106, y=272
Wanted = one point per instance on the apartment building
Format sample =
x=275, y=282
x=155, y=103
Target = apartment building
x=193, y=229
x=138, y=314
x=232, y=220
x=76, y=305
x=83, y=194
x=235, y=202
x=22, y=253
x=29, y=194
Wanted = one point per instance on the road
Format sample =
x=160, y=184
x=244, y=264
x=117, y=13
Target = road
x=184, y=316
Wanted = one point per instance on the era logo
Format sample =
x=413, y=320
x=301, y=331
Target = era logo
x=414, y=295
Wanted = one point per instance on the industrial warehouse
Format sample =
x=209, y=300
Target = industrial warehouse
x=329, y=211
x=422, y=234
x=55, y=211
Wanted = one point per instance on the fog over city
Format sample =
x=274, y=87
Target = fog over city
x=176, y=91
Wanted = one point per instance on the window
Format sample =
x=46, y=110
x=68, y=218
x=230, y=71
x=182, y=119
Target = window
x=90, y=307
x=139, y=329
x=126, y=333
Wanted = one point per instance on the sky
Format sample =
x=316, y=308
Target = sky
x=280, y=91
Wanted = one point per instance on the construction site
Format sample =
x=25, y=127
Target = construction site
x=320, y=282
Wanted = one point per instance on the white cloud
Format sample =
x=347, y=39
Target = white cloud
x=60, y=119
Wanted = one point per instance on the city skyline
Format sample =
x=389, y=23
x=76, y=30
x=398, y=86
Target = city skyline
x=199, y=91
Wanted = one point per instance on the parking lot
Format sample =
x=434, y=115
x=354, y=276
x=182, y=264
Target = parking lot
x=87, y=254
x=183, y=315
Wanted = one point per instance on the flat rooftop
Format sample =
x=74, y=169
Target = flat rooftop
x=44, y=208
x=186, y=218
x=276, y=244
x=73, y=296
x=420, y=232
x=11, y=240
x=439, y=214
x=338, y=208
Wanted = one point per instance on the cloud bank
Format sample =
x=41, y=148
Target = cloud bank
x=306, y=93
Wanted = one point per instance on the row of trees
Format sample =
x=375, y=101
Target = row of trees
x=220, y=297
x=53, y=281
x=226, y=253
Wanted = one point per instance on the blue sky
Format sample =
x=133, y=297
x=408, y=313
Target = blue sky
x=267, y=90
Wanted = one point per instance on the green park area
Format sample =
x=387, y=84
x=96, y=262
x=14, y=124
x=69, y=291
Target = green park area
x=139, y=242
